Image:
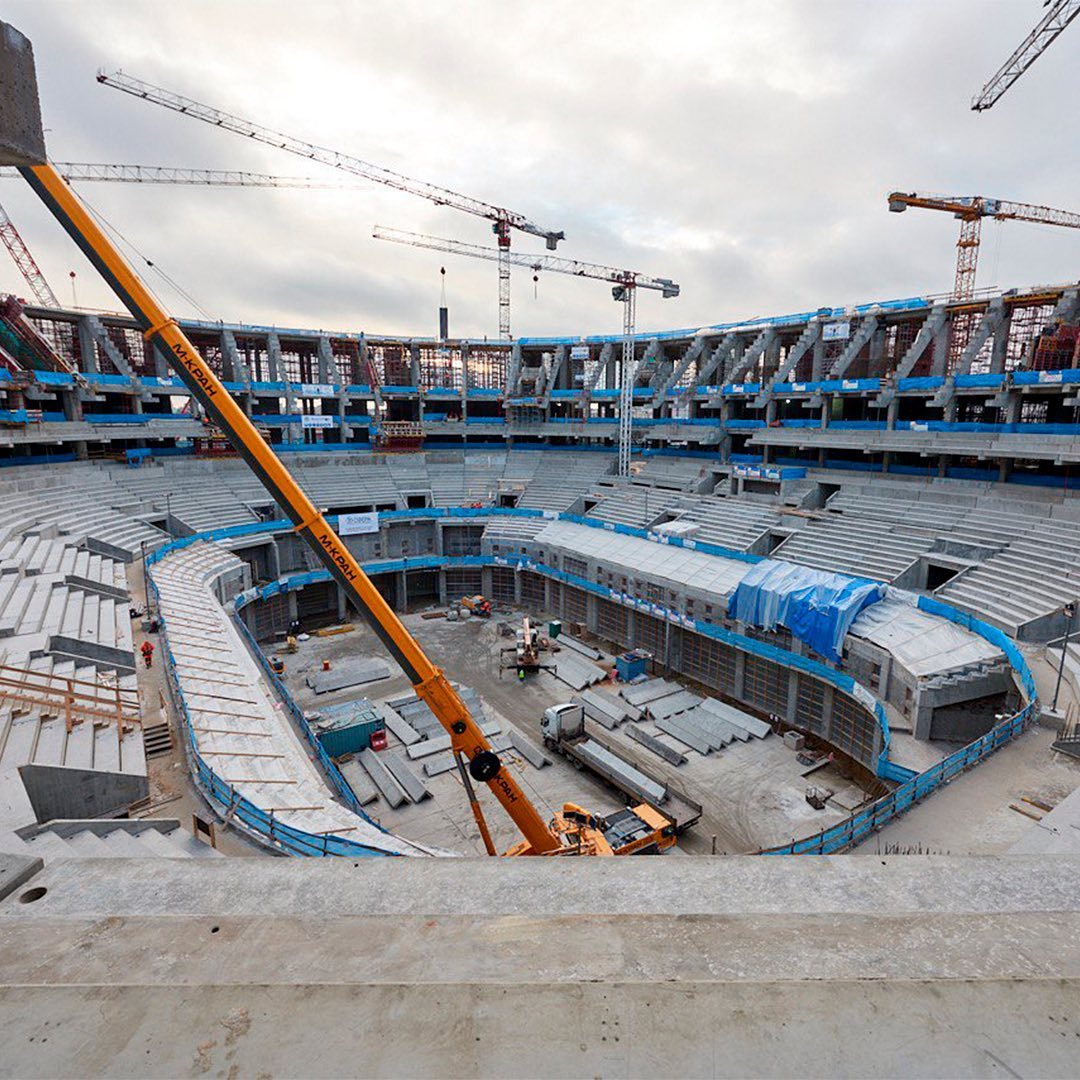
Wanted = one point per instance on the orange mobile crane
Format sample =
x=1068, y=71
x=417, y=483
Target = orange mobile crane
x=22, y=144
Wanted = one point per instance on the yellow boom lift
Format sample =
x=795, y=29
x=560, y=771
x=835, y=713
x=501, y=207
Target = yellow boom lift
x=22, y=144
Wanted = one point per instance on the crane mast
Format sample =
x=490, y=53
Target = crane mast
x=503, y=221
x=970, y=210
x=26, y=263
x=1061, y=13
x=626, y=284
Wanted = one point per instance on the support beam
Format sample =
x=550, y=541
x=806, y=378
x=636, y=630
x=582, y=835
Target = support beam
x=992, y=320
x=751, y=355
x=716, y=358
x=932, y=324
x=797, y=351
x=867, y=329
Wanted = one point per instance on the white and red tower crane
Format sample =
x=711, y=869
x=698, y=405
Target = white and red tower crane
x=503, y=221
x=625, y=286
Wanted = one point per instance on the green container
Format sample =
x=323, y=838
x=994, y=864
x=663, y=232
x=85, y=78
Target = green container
x=350, y=738
x=554, y=629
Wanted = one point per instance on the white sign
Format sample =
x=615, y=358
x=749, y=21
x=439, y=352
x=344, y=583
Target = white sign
x=357, y=524
x=316, y=389
x=314, y=421
x=579, y=352
x=836, y=331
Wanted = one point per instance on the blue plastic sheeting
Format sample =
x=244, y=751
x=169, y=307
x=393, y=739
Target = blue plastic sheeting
x=485, y=392
x=1027, y=428
x=35, y=459
x=410, y=390
x=921, y=382
x=814, y=423
x=745, y=459
x=984, y=379
x=485, y=420
x=1032, y=378
x=131, y=418
x=53, y=378
x=816, y=606
x=107, y=380
x=742, y=388
x=269, y=387
x=744, y=425
x=858, y=425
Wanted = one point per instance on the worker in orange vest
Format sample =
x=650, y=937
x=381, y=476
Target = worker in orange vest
x=147, y=651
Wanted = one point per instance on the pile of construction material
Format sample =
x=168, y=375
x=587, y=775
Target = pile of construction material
x=576, y=665
x=424, y=739
x=702, y=724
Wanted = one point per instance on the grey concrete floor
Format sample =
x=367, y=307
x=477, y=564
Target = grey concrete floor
x=973, y=815
x=752, y=793
x=901, y=966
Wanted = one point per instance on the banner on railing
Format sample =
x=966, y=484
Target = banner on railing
x=317, y=421
x=358, y=524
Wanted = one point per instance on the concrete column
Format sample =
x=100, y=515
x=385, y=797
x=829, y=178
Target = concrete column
x=891, y=414
x=827, y=712
x=292, y=605
x=443, y=596
x=740, y=674
x=402, y=590
x=486, y=581
x=517, y=587
x=414, y=364
x=1000, y=347
x=792, y=713
x=86, y=345
x=819, y=360
x=342, y=605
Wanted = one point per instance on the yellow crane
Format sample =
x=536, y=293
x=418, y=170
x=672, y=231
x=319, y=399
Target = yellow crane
x=971, y=210
x=22, y=144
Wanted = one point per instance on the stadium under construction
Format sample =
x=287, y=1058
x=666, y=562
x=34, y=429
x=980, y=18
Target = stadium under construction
x=297, y=625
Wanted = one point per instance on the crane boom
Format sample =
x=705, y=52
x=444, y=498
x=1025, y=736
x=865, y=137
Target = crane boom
x=970, y=211
x=507, y=219
x=626, y=282
x=162, y=174
x=553, y=263
x=1061, y=13
x=26, y=263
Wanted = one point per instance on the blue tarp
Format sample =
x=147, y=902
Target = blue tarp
x=816, y=606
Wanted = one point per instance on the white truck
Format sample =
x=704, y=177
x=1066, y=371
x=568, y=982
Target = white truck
x=563, y=729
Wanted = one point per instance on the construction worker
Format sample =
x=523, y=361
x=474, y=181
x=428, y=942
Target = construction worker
x=147, y=651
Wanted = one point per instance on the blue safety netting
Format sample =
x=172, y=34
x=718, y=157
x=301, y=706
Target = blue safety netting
x=817, y=607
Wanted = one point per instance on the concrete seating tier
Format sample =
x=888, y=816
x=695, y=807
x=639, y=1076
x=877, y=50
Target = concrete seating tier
x=239, y=727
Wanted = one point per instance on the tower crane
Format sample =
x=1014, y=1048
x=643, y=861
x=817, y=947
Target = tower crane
x=503, y=221
x=970, y=210
x=28, y=267
x=626, y=284
x=162, y=174
x=1061, y=13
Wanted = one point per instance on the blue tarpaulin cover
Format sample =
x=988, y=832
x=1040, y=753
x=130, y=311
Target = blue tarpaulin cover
x=817, y=607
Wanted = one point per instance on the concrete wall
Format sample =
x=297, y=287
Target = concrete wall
x=56, y=791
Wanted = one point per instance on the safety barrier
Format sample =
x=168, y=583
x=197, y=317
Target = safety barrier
x=912, y=788
x=231, y=804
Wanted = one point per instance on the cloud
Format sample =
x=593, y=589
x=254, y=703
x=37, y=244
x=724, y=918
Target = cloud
x=742, y=148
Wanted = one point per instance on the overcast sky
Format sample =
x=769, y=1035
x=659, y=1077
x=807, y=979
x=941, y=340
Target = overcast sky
x=743, y=148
